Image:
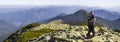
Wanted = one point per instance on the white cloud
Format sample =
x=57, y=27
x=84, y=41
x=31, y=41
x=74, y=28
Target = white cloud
x=101, y=3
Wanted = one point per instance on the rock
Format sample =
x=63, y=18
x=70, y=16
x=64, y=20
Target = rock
x=80, y=40
x=33, y=39
x=106, y=33
x=74, y=41
x=68, y=33
x=47, y=38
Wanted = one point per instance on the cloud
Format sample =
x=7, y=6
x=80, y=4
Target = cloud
x=62, y=2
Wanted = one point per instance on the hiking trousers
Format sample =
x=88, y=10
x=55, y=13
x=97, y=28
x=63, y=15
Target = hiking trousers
x=91, y=30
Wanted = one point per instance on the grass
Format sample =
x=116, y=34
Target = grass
x=29, y=26
x=33, y=34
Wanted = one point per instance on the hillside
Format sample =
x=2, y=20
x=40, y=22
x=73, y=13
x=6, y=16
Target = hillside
x=68, y=33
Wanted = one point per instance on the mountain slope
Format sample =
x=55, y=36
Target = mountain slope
x=72, y=18
x=6, y=29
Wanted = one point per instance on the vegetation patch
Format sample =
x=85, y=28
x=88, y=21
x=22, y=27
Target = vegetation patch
x=33, y=34
x=29, y=26
x=24, y=28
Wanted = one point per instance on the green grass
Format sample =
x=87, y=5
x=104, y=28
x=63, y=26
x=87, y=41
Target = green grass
x=29, y=26
x=33, y=34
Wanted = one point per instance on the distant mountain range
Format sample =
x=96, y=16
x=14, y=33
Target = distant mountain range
x=81, y=16
x=25, y=16
x=22, y=16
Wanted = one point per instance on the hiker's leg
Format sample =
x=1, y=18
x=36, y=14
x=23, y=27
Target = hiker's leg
x=89, y=30
x=93, y=31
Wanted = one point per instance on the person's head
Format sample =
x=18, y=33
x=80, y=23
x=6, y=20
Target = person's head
x=91, y=13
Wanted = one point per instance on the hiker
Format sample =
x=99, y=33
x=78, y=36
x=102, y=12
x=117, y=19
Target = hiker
x=91, y=24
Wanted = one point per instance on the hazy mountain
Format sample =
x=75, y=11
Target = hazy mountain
x=118, y=20
x=106, y=14
x=6, y=29
x=11, y=8
x=116, y=23
x=114, y=9
x=34, y=14
x=72, y=18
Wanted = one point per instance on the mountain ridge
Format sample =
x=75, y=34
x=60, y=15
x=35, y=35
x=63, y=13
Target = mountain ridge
x=82, y=15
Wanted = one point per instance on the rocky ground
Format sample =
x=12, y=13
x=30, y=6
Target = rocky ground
x=75, y=33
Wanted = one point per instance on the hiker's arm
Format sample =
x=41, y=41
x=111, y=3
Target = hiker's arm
x=92, y=20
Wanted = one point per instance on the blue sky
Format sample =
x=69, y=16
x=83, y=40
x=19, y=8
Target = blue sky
x=98, y=3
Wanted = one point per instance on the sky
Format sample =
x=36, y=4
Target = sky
x=98, y=3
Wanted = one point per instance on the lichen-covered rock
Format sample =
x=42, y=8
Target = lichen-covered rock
x=52, y=25
x=70, y=33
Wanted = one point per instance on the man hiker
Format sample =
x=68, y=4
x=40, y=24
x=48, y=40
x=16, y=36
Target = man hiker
x=90, y=24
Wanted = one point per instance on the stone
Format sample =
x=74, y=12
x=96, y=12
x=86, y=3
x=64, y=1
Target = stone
x=47, y=38
x=80, y=40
